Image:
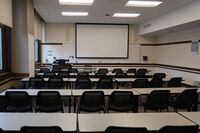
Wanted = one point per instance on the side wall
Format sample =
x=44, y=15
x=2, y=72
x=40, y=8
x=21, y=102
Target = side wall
x=179, y=54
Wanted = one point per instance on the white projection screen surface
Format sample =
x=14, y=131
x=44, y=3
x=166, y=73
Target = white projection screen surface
x=102, y=41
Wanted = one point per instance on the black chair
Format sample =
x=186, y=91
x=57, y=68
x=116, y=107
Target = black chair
x=48, y=75
x=141, y=73
x=83, y=75
x=49, y=101
x=121, y=101
x=105, y=83
x=100, y=75
x=18, y=101
x=63, y=74
x=132, y=70
x=92, y=101
x=83, y=83
x=159, y=75
x=37, y=83
x=113, y=129
x=117, y=70
x=1, y=131
x=41, y=129
x=103, y=70
x=174, y=82
x=55, y=83
x=179, y=129
x=140, y=83
x=156, y=82
x=73, y=70
x=56, y=70
x=121, y=75
x=157, y=100
x=185, y=100
x=44, y=70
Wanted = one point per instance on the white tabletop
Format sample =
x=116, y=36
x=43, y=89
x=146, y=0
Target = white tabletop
x=64, y=79
x=152, y=121
x=144, y=91
x=14, y=121
x=33, y=92
x=107, y=92
x=193, y=116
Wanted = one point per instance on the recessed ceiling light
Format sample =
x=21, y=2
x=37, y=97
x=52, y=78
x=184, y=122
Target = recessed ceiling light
x=143, y=3
x=76, y=2
x=74, y=13
x=129, y=15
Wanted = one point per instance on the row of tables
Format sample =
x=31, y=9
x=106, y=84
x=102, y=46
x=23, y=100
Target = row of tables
x=71, y=122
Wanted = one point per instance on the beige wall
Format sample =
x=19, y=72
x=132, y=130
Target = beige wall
x=37, y=27
x=180, y=54
x=6, y=12
x=65, y=33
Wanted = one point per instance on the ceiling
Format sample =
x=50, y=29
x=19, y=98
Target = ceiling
x=50, y=11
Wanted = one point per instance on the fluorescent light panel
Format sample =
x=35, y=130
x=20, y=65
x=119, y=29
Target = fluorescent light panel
x=126, y=15
x=76, y=2
x=143, y=3
x=74, y=13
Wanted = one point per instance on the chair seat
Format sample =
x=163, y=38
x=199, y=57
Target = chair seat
x=121, y=108
x=19, y=108
x=91, y=109
x=154, y=107
x=53, y=108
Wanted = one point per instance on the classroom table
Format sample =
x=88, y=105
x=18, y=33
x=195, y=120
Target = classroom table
x=107, y=92
x=14, y=121
x=152, y=121
x=193, y=116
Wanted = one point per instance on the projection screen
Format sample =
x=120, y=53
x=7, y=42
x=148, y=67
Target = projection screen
x=102, y=40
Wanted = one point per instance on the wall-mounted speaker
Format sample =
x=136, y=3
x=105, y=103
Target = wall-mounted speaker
x=145, y=58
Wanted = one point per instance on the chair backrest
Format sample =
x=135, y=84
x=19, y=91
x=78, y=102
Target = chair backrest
x=49, y=101
x=174, y=82
x=140, y=83
x=105, y=83
x=121, y=101
x=44, y=70
x=48, y=75
x=55, y=83
x=100, y=75
x=63, y=74
x=158, y=98
x=83, y=74
x=56, y=70
x=83, y=83
x=31, y=129
x=92, y=101
x=132, y=70
x=73, y=70
x=186, y=99
x=156, y=82
x=113, y=129
x=159, y=75
x=18, y=101
x=117, y=70
x=37, y=83
x=179, y=129
x=121, y=75
x=103, y=70
x=141, y=71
